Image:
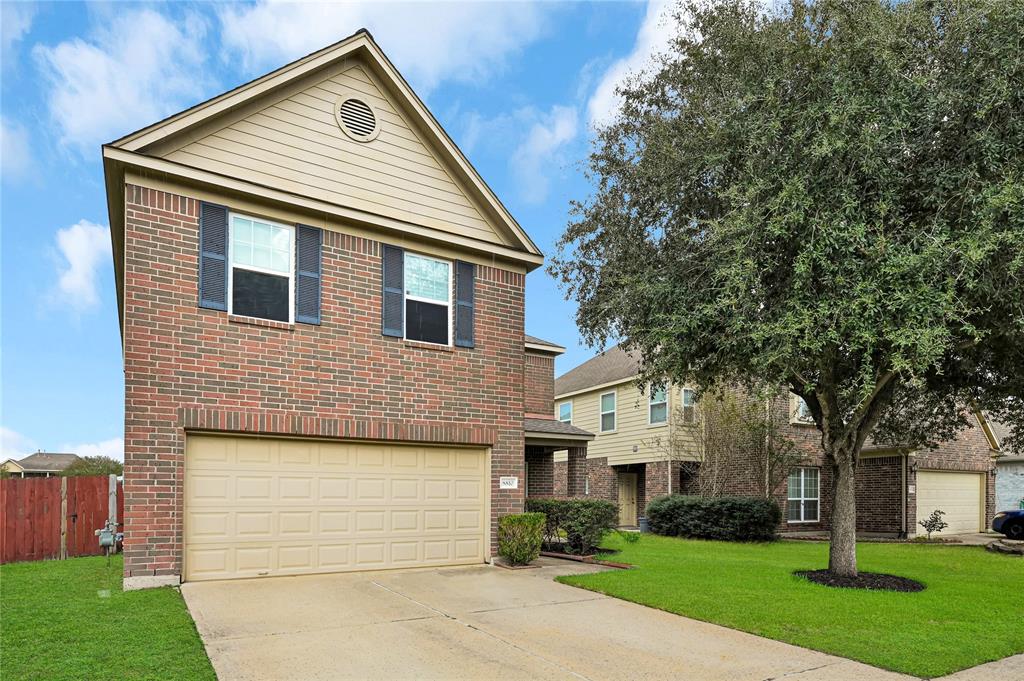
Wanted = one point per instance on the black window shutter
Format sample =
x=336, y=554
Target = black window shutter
x=308, y=241
x=465, y=273
x=213, y=256
x=393, y=277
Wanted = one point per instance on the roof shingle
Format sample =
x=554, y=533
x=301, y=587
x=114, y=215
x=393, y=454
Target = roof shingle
x=614, y=364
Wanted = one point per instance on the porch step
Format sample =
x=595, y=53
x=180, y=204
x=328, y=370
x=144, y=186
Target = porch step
x=1008, y=546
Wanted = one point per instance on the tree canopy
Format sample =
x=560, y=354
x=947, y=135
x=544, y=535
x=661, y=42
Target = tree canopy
x=834, y=192
x=94, y=465
x=827, y=196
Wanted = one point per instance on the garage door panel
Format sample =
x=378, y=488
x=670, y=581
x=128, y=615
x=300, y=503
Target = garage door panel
x=958, y=494
x=290, y=507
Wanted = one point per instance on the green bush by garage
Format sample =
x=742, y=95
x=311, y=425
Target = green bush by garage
x=723, y=518
x=520, y=536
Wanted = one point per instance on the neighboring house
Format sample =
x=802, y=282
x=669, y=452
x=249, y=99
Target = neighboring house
x=896, y=487
x=1009, y=473
x=322, y=308
x=38, y=465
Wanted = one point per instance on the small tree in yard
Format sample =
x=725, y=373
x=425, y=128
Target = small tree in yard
x=934, y=523
x=735, y=438
x=829, y=197
x=94, y=465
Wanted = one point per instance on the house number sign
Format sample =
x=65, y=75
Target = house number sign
x=508, y=482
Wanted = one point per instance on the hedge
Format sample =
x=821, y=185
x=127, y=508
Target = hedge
x=726, y=518
x=519, y=537
x=583, y=522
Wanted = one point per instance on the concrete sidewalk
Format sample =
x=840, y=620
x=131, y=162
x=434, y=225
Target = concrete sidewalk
x=484, y=622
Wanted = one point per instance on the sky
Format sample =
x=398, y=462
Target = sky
x=520, y=87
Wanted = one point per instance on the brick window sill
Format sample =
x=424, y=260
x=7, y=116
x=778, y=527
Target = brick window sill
x=265, y=323
x=429, y=346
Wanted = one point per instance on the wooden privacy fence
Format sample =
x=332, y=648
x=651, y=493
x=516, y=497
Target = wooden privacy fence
x=56, y=517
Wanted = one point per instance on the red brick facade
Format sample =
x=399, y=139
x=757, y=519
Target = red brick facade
x=539, y=384
x=188, y=368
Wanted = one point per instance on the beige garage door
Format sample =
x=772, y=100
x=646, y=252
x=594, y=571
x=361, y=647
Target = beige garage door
x=261, y=506
x=958, y=494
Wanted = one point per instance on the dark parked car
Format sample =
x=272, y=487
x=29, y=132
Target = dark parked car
x=1010, y=523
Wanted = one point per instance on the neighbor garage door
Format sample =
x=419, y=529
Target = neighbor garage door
x=261, y=506
x=959, y=495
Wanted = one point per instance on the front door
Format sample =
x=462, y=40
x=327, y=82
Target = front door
x=627, y=499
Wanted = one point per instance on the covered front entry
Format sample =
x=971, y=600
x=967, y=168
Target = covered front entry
x=258, y=506
x=960, y=495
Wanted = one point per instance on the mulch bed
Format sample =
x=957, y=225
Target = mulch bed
x=591, y=559
x=874, y=581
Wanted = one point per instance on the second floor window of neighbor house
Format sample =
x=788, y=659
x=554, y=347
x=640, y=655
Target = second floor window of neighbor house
x=689, y=408
x=428, y=294
x=607, y=412
x=565, y=412
x=658, y=407
x=260, y=283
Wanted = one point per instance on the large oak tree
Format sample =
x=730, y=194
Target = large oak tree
x=827, y=196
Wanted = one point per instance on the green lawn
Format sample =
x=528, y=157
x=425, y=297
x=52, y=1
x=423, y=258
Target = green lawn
x=69, y=619
x=971, y=612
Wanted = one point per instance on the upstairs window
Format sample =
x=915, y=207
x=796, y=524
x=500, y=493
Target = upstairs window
x=428, y=299
x=565, y=412
x=657, y=409
x=262, y=274
x=801, y=412
x=689, y=406
x=608, y=412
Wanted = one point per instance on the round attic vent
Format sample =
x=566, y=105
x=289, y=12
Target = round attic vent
x=357, y=119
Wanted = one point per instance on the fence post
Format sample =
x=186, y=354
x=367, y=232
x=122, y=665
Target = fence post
x=63, y=518
x=112, y=498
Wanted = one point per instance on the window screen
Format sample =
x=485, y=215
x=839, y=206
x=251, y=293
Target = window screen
x=426, y=322
x=256, y=294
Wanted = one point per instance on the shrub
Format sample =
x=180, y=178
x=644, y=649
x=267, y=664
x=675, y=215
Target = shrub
x=726, y=518
x=519, y=537
x=934, y=523
x=583, y=522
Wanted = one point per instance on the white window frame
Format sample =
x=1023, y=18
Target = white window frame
x=693, y=404
x=802, y=498
x=651, y=404
x=421, y=299
x=252, y=268
x=559, y=414
x=614, y=412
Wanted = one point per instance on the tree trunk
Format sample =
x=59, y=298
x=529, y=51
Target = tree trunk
x=842, y=551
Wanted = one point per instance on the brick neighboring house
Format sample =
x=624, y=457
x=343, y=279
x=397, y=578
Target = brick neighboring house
x=322, y=309
x=896, y=487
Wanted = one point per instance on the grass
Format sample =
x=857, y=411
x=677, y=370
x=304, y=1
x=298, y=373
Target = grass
x=69, y=619
x=971, y=611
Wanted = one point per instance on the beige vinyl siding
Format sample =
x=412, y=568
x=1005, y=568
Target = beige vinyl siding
x=296, y=145
x=631, y=426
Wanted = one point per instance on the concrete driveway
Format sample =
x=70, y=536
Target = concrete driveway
x=477, y=623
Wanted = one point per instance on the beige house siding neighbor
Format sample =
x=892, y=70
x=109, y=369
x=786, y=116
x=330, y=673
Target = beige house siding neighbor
x=635, y=439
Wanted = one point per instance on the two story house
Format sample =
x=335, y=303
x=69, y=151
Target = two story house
x=321, y=308
x=630, y=461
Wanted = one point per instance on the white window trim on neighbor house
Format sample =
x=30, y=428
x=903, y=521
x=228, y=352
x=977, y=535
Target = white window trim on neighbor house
x=290, y=229
x=801, y=498
x=406, y=296
x=562, y=418
x=614, y=411
x=652, y=403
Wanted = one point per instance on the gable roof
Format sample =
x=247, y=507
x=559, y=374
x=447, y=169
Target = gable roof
x=47, y=461
x=144, y=152
x=614, y=365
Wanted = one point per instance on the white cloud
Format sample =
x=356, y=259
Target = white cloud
x=138, y=68
x=15, y=152
x=84, y=246
x=429, y=42
x=14, y=445
x=114, y=448
x=539, y=154
x=15, y=22
x=653, y=38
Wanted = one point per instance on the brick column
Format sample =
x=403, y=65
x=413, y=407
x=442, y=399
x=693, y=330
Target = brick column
x=576, y=473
